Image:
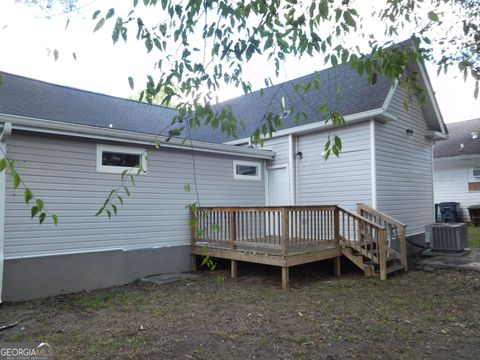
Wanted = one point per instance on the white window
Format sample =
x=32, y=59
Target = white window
x=246, y=170
x=117, y=159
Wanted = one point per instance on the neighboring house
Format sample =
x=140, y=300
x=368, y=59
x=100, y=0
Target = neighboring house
x=67, y=143
x=457, y=166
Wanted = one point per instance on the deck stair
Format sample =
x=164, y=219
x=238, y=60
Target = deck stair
x=367, y=254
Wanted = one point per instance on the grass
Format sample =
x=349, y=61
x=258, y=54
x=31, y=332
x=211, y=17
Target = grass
x=474, y=236
x=413, y=315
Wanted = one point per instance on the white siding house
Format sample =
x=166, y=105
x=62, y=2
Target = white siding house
x=456, y=160
x=58, y=136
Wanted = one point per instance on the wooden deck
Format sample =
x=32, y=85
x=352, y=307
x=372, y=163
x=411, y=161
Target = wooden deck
x=292, y=235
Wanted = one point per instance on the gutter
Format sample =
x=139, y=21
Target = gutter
x=380, y=114
x=92, y=132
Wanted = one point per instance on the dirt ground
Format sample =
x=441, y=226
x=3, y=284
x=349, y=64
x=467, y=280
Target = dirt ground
x=414, y=315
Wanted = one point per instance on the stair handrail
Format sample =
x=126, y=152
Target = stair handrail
x=392, y=221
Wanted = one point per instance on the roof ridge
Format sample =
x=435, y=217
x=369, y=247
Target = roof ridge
x=84, y=91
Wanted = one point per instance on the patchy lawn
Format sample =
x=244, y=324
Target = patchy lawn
x=414, y=315
x=474, y=236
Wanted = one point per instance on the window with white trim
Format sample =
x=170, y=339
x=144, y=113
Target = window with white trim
x=117, y=159
x=246, y=170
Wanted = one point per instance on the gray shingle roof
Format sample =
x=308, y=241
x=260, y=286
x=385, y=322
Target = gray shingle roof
x=27, y=97
x=459, y=133
x=357, y=95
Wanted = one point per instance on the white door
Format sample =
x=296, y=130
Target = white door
x=278, y=189
x=278, y=194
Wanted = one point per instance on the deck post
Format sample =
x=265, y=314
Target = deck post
x=336, y=226
x=233, y=269
x=233, y=228
x=337, y=266
x=285, y=231
x=285, y=278
x=382, y=254
x=403, y=248
x=193, y=226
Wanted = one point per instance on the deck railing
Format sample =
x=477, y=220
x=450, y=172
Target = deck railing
x=284, y=229
x=395, y=232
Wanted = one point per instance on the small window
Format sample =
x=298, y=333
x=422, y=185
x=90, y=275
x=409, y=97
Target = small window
x=245, y=170
x=117, y=159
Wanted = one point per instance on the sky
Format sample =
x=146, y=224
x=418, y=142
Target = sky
x=28, y=38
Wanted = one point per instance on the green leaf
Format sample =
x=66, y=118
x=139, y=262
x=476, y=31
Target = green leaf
x=114, y=207
x=432, y=15
x=110, y=13
x=41, y=217
x=27, y=194
x=55, y=219
x=120, y=199
x=16, y=179
x=3, y=164
x=186, y=188
x=56, y=54
x=40, y=203
x=347, y=16
x=95, y=14
x=100, y=23
x=126, y=191
x=34, y=211
x=130, y=82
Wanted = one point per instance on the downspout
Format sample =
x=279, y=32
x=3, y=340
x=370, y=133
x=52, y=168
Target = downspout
x=6, y=132
x=373, y=164
x=291, y=169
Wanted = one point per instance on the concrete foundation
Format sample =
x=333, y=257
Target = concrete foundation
x=39, y=277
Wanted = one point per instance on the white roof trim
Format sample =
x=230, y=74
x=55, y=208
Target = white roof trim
x=431, y=96
x=92, y=132
x=460, y=156
x=377, y=114
x=389, y=97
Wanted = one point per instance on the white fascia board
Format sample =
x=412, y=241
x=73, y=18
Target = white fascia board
x=92, y=132
x=379, y=114
x=431, y=95
x=435, y=135
x=458, y=157
x=389, y=97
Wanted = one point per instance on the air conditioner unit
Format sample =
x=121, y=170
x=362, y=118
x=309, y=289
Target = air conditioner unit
x=447, y=236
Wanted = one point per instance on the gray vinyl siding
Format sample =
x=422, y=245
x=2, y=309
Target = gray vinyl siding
x=345, y=180
x=451, y=178
x=281, y=148
x=62, y=171
x=404, y=166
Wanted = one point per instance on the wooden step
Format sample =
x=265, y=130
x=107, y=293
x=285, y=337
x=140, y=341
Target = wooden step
x=390, y=269
x=358, y=260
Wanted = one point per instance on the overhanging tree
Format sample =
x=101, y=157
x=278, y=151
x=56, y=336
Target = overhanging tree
x=203, y=45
